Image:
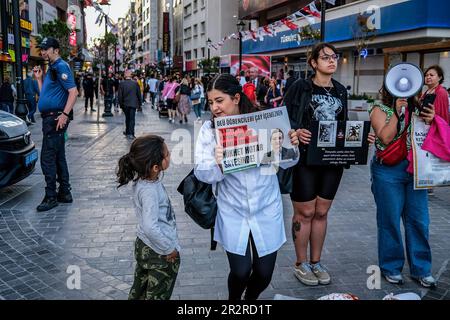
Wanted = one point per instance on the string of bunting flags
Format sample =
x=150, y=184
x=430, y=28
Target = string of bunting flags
x=109, y=21
x=309, y=13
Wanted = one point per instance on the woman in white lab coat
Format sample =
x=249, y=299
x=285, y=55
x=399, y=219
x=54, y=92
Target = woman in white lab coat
x=249, y=223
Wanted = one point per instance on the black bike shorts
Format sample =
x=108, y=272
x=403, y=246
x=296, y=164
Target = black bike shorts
x=310, y=182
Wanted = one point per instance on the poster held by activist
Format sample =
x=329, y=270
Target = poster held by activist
x=254, y=139
x=429, y=170
x=338, y=143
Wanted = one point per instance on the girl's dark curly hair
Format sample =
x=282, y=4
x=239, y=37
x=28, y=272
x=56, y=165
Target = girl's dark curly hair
x=145, y=152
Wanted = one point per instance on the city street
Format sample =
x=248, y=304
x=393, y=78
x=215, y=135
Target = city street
x=96, y=233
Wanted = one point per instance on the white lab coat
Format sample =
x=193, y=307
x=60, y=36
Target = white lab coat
x=247, y=201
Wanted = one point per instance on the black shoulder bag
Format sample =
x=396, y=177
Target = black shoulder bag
x=199, y=203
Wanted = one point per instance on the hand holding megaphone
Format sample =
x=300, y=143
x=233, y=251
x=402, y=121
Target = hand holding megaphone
x=400, y=105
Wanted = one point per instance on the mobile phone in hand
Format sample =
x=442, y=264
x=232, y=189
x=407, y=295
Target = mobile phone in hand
x=427, y=100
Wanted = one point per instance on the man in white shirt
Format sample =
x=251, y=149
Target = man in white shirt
x=254, y=73
x=242, y=80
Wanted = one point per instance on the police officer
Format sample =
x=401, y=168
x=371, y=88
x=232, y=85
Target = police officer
x=58, y=96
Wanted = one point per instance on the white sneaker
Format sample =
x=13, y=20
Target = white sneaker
x=170, y=119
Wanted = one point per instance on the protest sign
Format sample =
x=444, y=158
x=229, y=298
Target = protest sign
x=429, y=170
x=338, y=143
x=254, y=139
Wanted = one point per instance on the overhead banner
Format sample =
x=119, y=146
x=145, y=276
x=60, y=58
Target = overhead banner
x=259, y=64
x=166, y=33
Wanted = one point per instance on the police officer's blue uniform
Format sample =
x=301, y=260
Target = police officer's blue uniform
x=54, y=94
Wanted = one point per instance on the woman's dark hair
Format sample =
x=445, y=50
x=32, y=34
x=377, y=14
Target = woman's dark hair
x=388, y=100
x=145, y=152
x=439, y=72
x=315, y=53
x=229, y=85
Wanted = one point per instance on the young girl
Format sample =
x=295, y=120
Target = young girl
x=156, y=247
x=249, y=222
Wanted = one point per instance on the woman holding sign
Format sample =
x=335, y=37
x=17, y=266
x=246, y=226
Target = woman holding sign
x=319, y=98
x=249, y=222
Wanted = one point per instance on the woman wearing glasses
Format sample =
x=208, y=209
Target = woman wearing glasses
x=319, y=98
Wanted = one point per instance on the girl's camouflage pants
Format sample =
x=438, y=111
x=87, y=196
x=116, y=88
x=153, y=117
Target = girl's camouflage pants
x=154, y=277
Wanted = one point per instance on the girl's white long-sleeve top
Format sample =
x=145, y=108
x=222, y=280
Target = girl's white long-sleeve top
x=247, y=201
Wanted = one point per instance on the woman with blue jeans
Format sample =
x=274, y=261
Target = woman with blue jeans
x=197, y=104
x=396, y=199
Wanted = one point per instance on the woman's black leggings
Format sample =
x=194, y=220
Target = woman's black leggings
x=245, y=274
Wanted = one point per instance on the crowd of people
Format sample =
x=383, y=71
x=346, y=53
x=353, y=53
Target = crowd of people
x=249, y=223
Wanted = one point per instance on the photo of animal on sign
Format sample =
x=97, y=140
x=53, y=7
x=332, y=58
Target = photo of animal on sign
x=254, y=139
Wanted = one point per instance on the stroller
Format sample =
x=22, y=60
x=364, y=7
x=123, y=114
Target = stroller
x=163, y=111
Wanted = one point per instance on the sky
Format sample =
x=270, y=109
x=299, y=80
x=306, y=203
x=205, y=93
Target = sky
x=116, y=10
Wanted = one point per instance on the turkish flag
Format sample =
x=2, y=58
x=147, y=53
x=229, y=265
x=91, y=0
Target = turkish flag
x=289, y=24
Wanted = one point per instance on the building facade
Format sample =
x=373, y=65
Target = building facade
x=127, y=37
x=399, y=24
x=203, y=20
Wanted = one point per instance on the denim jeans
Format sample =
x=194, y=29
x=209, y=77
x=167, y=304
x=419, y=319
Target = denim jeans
x=198, y=110
x=396, y=199
x=7, y=106
x=31, y=102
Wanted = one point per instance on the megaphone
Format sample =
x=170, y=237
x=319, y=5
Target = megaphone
x=404, y=80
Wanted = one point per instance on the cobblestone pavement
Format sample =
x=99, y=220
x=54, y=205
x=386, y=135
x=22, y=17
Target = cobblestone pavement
x=96, y=233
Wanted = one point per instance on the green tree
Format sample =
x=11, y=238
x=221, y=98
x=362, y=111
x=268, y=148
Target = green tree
x=60, y=31
x=307, y=33
x=109, y=40
x=210, y=66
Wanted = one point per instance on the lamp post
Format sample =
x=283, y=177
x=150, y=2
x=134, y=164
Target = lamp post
x=240, y=27
x=169, y=62
x=108, y=101
x=322, y=21
x=21, y=107
x=208, y=43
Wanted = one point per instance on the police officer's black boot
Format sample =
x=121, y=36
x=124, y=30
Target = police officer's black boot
x=47, y=204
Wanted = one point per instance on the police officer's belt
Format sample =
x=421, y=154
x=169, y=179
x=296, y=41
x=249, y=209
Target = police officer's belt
x=50, y=114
